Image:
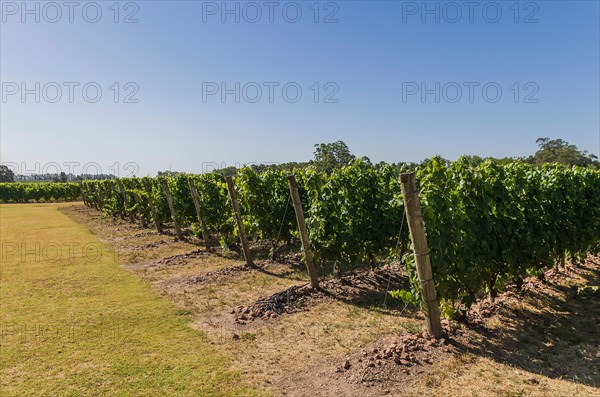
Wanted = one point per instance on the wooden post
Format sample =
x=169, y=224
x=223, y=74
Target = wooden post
x=138, y=201
x=196, y=199
x=238, y=219
x=152, y=206
x=310, y=265
x=117, y=196
x=102, y=194
x=99, y=194
x=125, y=200
x=165, y=184
x=416, y=227
x=107, y=192
x=90, y=197
x=94, y=196
x=83, y=193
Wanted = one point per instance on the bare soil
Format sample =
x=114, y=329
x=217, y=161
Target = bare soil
x=350, y=338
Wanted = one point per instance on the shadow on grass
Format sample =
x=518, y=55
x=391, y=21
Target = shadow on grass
x=558, y=336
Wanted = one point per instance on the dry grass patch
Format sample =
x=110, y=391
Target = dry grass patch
x=75, y=323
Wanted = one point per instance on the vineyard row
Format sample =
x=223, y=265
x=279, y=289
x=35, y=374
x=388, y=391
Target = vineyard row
x=485, y=225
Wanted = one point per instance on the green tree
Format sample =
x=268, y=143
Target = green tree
x=227, y=171
x=6, y=174
x=560, y=151
x=329, y=156
x=473, y=160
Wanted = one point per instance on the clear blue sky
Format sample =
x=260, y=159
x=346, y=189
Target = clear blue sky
x=374, y=56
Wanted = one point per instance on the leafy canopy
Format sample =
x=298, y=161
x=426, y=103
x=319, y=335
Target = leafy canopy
x=6, y=174
x=560, y=151
x=329, y=156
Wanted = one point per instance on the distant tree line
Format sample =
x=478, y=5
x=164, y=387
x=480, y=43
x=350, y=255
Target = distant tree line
x=7, y=175
x=329, y=156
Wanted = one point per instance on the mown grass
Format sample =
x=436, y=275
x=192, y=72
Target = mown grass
x=74, y=323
